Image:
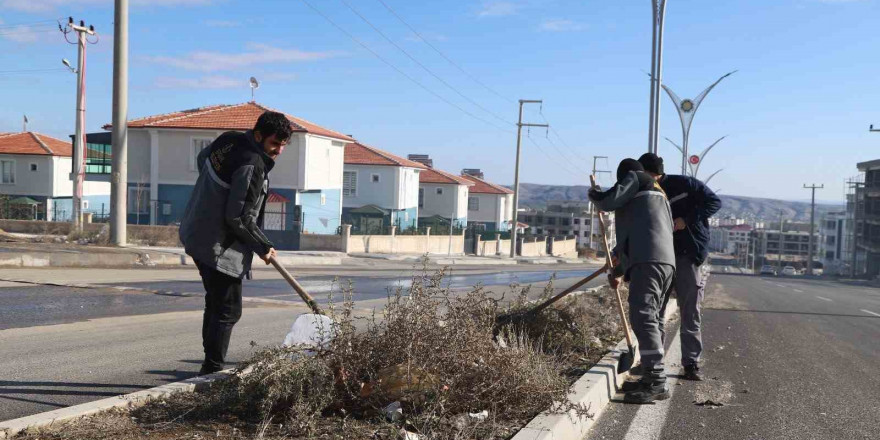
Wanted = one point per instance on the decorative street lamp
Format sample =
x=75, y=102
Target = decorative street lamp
x=658, y=12
x=687, y=109
x=697, y=159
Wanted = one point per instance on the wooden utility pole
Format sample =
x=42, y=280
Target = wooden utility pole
x=813, y=188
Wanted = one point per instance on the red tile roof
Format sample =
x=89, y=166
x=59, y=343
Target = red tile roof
x=226, y=117
x=274, y=197
x=357, y=153
x=433, y=175
x=34, y=143
x=483, y=187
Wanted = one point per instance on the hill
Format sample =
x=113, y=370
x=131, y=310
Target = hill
x=537, y=195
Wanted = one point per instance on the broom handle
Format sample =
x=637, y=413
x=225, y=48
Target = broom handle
x=620, y=310
x=576, y=285
x=297, y=287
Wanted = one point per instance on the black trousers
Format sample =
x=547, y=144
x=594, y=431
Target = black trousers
x=222, y=311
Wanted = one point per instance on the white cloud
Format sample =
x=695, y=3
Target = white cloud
x=498, y=8
x=49, y=5
x=257, y=54
x=219, y=81
x=560, y=26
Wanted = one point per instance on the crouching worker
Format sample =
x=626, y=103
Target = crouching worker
x=220, y=229
x=646, y=256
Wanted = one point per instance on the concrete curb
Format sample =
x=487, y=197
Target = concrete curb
x=10, y=428
x=139, y=259
x=595, y=389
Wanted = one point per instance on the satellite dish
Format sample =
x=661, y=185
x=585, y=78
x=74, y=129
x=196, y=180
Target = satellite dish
x=254, y=86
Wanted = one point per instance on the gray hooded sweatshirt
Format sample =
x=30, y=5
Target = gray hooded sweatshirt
x=643, y=221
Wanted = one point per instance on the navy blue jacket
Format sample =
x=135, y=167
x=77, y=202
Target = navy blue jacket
x=693, y=201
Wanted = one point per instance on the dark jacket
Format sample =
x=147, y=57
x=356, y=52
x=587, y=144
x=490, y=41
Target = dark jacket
x=222, y=221
x=643, y=222
x=693, y=201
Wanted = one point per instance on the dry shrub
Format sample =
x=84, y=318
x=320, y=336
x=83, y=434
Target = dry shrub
x=432, y=350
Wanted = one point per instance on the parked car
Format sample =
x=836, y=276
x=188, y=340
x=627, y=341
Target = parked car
x=789, y=271
x=768, y=270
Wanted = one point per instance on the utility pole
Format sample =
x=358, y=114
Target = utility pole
x=779, y=258
x=813, y=188
x=874, y=130
x=519, y=126
x=119, y=169
x=79, y=138
x=593, y=208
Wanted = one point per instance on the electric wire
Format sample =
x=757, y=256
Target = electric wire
x=401, y=72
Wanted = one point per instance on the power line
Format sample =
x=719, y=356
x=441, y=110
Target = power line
x=28, y=24
x=425, y=40
x=561, y=165
x=401, y=72
x=555, y=133
x=424, y=67
x=16, y=72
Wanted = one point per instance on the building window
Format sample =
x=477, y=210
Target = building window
x=473, y=204
x=421, y=197
x=33, y=167
x=374, y=178
x=196, y=147
x=349, y=183
x=138, y=200
x=85, y=204
x=7, y=171
x=577, y=221
x=439, y=191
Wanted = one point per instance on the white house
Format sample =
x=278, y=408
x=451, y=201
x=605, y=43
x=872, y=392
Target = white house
x=443, y=195
x=490, y=206
x=306, y=182
x=35, y=170
x=379, y=189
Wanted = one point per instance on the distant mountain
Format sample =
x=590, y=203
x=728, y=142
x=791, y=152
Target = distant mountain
x=535, y=195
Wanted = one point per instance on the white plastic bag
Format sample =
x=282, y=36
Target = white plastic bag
x=310, y=330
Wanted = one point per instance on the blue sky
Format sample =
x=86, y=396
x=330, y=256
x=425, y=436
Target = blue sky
x=796, y=112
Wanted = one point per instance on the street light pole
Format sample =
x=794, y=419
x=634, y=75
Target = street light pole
x=658, y=16
x=813, y=188
x=519, y=126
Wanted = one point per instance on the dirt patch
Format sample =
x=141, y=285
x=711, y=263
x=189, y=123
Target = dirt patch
x=713, y=393
x=718, y=298
x=429, y=365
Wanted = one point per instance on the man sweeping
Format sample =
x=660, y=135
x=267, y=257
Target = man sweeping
x=693, y=203
x=220, y=229
x=643, y=224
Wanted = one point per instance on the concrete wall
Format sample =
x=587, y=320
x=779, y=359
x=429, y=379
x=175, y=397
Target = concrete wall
x=490, y=248
x=534, y=248
x=406, y=244
x=564, y=248
x=321, y=242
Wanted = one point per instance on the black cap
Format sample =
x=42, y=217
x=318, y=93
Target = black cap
x=626, y=166
x=652, y=163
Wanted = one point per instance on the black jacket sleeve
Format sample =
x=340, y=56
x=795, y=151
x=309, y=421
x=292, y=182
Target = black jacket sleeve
x=619, y=194
x=242, y=210
x=707, y=203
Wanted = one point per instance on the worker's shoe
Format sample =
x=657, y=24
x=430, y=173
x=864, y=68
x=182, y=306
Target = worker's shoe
x=692, y=372
x=637, y=370
x=634, y=385
x=648, y=393
x=208, y=369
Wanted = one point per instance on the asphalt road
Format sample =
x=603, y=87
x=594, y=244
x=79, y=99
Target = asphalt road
x=787, y=358
x=61, y=346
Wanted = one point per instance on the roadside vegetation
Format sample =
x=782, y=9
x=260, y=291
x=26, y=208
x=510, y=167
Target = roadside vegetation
x=431, y=366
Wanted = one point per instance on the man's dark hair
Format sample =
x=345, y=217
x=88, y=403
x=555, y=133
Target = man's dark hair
x=275, y=123
x=626, y=166
x=652, y=163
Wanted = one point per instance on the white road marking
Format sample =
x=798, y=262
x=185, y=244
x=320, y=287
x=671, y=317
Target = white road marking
x=824, y=299
x=868, y=311
x=649, y=420
x=798, y=291
x=779, y=285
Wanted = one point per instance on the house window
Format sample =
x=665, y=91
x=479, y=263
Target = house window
x=374, y=178
x=33, y=167
x=473, y=204
x=138, y=200
x=349, y=183
x=421, y=197
x=7, y=171
x=85, y=204
x=439, y=191
x=196, y=147
x=577, y=221
x=323, y=199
